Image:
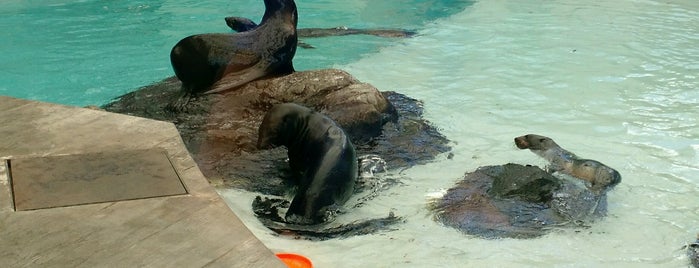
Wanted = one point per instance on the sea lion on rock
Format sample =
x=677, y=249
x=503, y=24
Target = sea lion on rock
x=599, y=176
x=321, y=157
x=211, y=63
x=240, y=24
x=519, y=201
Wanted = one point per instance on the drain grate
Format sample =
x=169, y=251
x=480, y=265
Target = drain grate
x=69, y=180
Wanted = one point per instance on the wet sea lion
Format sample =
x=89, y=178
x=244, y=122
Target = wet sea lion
x=520, y=201
x=599, y=176
x=210, y=63
x=321, y=157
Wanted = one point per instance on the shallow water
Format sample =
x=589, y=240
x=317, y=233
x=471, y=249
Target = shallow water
x=614, y=81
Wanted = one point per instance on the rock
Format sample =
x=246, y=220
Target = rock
x=523, y=182
x=516, y=201
x=220, y=130
x=693, y=253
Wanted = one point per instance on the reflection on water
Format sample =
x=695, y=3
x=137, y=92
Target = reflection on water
x=614, y=81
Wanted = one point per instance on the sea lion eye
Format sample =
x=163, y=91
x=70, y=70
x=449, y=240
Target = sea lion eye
x=542, y=140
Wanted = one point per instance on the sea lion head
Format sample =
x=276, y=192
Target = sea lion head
x=284, y=9
x=534, y=142
x=280, y=124
x=600, y=176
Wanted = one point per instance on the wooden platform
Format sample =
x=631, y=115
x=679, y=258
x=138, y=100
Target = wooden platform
x=93, y=189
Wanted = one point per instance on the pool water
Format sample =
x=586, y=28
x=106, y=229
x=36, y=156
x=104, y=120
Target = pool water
x=614, y=81
x=90, y=51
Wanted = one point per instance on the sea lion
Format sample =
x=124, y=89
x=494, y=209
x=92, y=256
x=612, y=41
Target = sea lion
x=599, y=176
x=215, y=62
x=321, y=157
x=240, y=24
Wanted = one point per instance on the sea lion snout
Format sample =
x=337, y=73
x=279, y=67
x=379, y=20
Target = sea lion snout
x=521, y=142
x=535, y=142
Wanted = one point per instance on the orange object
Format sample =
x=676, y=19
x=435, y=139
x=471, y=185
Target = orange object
x=295, y=260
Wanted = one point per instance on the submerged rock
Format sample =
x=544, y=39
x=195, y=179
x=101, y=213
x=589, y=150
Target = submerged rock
x=525, y=201
x=693, y=253
x=240, y=24
x=516, y=201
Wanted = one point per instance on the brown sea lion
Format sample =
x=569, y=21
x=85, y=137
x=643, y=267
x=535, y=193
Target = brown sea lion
x=598, y=175
x=240, y=24
x=321, y=157
x=210, y=63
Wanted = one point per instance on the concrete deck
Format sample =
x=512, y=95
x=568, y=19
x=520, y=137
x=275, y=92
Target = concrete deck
x=157, y=228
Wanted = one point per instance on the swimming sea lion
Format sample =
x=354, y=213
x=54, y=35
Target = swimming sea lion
x=211, y=63
x=321, y=157
x=600, y=176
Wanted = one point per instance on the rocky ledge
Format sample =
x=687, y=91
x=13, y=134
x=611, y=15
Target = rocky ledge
x=220, y=130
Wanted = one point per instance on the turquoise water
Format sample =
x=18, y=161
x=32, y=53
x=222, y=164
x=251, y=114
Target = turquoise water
x=89, y=52
x=614, y=81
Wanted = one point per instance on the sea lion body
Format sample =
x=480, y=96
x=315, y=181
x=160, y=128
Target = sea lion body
x=600, y=176
x=321, y=157
x=210, y=63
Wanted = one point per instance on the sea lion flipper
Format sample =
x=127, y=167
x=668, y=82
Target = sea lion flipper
x=240, y=24
x=233, y=80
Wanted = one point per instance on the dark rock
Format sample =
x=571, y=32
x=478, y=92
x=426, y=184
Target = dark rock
x=693, y=253
x=523, y=182
x=220, y=130
x=516, y=201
